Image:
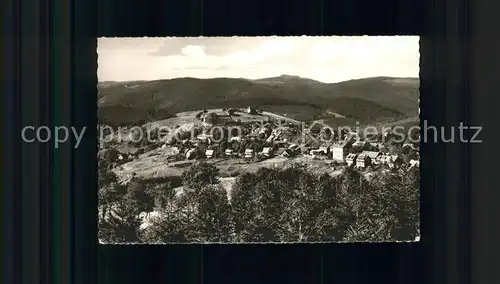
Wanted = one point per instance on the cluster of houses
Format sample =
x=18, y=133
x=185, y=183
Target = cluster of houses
x=368, y=158
x=267, y=152
x=342, y=152
x=277, y=141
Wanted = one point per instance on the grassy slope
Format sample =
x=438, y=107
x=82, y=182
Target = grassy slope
x=365, y=99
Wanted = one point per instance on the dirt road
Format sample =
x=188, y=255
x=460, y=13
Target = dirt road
x=280, y=117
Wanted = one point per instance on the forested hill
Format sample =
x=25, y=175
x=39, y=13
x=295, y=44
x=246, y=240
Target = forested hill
x=363, y=99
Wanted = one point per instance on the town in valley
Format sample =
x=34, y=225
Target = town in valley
x=278, y=159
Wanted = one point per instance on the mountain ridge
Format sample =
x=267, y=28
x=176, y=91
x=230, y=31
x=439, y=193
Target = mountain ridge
x=363, y=99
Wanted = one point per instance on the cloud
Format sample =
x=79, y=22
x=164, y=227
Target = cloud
x=174, y=45
x=328, y=59
x=193, y=51
x=216, y=46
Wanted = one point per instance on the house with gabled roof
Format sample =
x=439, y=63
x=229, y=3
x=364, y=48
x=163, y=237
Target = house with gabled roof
x=271, y=138
x=390, y=160
x=362, y=161
x=351, y=159
x=267, y=151
x=359, y=143
x=280, y=151
x=382, y=159
x=229, y=152
x=249, y=153
x=365, y=158
x=372, y=154
x=288, y=153
x=339, y=151
x=209, y=153
x=251, y=110
x=315, y=152
x=414, y=164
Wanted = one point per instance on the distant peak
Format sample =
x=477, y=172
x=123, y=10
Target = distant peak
x=288, y=76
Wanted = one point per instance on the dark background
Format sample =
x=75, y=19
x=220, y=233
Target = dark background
x=49, y=53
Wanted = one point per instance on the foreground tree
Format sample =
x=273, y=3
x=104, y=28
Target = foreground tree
x=204, y=205
x=277, y=205
x=404, y=187
x=200, y=173
x=108, y=196
x=105, y=176
x=200, y=212
x=289, y=205
x=385, y=209
x=138, y=192
x=212, y=219
x=303, y=205
x=123, y=222
x=167, y=227
x=243, y=201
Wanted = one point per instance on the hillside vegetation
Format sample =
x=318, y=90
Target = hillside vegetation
x=271, y=205
x=366, y=100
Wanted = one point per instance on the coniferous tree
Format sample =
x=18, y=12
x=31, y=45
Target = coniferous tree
x=243, y=205
x=168, y=226
x=123, y=223
x=213, y=214
x=203, y=207
x=278, y=205
x=203, y=173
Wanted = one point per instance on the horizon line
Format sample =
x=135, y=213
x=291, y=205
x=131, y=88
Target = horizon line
x=249, y=79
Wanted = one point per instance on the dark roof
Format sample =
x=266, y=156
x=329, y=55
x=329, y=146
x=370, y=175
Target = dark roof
x=371, y=154
x=351, y=156
x=280, y=151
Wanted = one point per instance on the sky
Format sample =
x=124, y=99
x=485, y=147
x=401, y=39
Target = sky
x=325, y=59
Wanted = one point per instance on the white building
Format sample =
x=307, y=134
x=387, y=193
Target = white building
x=229, y=152
x=251, y=110
x=248, y=153
x=414, y=163
x=351, y=159
x=236, y=138
x=362, y=161
x=372, y=154
x=267, y=151
x=209, y=153
x=390, y=160
x=339, y=152
x=365, y=158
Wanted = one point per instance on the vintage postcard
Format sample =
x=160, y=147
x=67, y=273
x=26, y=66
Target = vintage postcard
x=258, y=139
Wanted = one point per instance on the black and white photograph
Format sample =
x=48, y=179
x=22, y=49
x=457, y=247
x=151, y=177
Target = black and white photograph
x=234, y=140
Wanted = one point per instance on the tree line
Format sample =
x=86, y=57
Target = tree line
x=271, y=205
